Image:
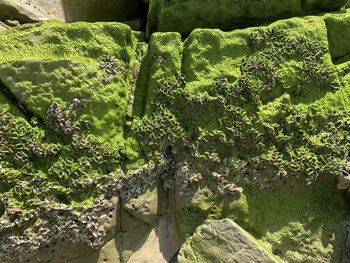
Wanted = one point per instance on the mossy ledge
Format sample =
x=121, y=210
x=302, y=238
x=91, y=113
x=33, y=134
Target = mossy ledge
x=250, y=125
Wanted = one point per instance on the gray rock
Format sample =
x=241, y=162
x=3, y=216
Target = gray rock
x=3, y=26
x=222, y=241
x=50, y=8
x=144, y=207
x=17, y=10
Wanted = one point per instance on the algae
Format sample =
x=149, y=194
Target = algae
x=264, y=108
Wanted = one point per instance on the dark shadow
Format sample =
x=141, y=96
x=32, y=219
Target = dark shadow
x=131, y=12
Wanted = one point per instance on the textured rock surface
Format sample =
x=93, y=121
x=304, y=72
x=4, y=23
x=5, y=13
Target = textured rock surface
x=124, y=148
x=18, y=10
x=184, y=16
x=51, y=8
x=222, y=241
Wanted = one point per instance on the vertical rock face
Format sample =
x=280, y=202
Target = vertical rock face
x=184, y=16
x=222, y=241
x=18, y=10
x=101, y=10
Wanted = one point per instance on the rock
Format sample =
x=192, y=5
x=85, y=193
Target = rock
x=3, y=26
x=160, y=246
x=62, y=251
x=233, y=106
x=101, y=10
x=343, y=182
x=133, y=235
x=17, y=10
x=184, y=16
x=145, y=206
x=51, y=8
x=222, y=241
x=12, y=23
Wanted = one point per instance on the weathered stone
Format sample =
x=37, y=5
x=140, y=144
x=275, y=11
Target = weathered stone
x=161, y=244
x=145, y=206
x=222, y=241
x=17, y=10
x=3, y=26
x=51, y=8
x=184, y=16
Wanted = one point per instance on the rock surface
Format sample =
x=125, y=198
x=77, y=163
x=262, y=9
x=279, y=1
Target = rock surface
x=184, y=16
x=123, y=148
x=51, y=8
x=18, y=10
x=222, y=241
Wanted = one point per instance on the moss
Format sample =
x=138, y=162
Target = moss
x=338, y=36
x=60, y=62
x=62, y=65
x=266, y=108
x=184, y=16
x=262, y=106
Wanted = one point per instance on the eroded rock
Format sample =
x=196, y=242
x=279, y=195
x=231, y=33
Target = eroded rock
x=222, y=241
x=17, y=10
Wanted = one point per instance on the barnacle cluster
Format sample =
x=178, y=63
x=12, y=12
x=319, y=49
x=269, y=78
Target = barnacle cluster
x=49, y=224
x=59, y=118
x=109, y=64
x=43, y=200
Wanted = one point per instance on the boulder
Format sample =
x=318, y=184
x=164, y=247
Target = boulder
x=17, y=10
x=51, y=8
x=184, y=16
x=222, y=241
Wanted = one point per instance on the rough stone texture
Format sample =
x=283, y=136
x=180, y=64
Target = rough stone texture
x=184, y=16
x=51, y=8
x=222, y=241
x=145, y=206
x=17, y=10
x=90, y=111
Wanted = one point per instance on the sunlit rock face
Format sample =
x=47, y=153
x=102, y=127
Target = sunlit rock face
x=118, y=148
x=184, y=16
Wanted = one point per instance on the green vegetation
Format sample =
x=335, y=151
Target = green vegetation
x=185, y=16
x=264, y=108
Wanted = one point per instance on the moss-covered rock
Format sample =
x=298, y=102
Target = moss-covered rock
x=222, y=241
x=184, y=16
x=250, y=125
x=264, y=109
x=64, y=145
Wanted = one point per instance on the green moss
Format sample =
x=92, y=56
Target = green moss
x=56, y=62
x=338, y=36
x=261, y=106
x=60, y=62
x=184, y=16
x=265, y=107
